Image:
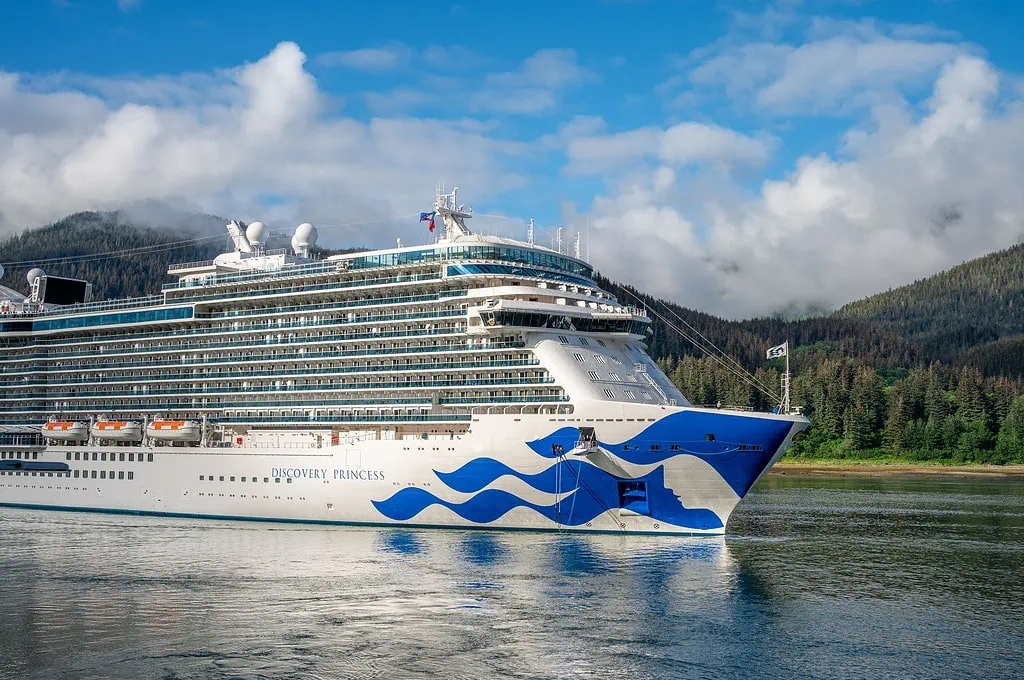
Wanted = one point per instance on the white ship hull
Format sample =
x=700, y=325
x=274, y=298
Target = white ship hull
x=504, y=473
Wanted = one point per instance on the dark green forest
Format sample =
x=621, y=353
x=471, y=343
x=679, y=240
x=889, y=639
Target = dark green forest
x=928, y=371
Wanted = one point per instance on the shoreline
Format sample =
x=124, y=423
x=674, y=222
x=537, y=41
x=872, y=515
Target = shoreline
x=870, y=468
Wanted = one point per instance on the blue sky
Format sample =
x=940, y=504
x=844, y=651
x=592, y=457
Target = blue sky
x=718, y=140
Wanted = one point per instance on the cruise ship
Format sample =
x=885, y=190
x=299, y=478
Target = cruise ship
x=476, y=381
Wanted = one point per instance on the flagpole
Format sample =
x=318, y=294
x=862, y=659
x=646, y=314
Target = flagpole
x=785, y=383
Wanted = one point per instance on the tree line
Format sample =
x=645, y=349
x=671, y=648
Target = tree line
x=934, y=412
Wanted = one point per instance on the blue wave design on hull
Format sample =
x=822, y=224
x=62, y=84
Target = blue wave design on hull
x=740, y=469
x=479, y=472
x=594, y=496
x=597, y=491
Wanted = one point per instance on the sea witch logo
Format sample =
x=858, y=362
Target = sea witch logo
x=323, y=473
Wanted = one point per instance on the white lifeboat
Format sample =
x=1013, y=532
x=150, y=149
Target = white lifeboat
x=118, y=430
x=175, y=430
x=66, y=431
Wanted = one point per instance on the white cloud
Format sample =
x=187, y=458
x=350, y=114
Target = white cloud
x=535, y=86
x=839, y=64
x=681, y=144
x=916, y=193
x=386, y=58
x=259, y=130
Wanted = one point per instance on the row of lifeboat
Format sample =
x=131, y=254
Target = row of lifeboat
x=123, y=430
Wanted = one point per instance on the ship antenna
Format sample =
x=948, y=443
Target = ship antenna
x=452, y=214
x=529, y=233
x=558, y=239
x=576, y=249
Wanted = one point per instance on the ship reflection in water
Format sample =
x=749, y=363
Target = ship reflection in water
x=815, y=580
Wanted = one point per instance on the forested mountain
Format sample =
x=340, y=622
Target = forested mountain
x=94, y=239
x=119, y=256
x=929, y=370
x=978, y=302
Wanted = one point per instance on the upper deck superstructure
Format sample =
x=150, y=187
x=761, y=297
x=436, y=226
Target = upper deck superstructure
x=370, y=340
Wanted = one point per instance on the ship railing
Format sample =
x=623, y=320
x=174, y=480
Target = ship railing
x=298, y=288
x=276, y=373
x=262, y=332
x=724, y=407
x=298, y=356
x=261, y=328
x=354, y=304
x=325, y=387
x=330, y=419
x=178, y=266
x=100, y=306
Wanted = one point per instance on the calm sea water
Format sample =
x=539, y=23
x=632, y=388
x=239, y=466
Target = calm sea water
x=819, y=578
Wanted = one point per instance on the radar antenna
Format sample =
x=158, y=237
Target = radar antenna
x=452, y=214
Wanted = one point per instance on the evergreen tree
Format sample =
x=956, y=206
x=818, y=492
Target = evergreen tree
x=1010, y=445
x=894, y=437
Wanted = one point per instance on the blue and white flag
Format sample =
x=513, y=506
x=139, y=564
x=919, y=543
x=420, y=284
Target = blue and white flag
x=779, y=351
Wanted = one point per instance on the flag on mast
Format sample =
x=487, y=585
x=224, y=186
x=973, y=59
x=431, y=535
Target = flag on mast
x=779, y=351
x=429, y=218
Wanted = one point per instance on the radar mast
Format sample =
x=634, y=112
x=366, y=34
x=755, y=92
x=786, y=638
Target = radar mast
x=452, y=214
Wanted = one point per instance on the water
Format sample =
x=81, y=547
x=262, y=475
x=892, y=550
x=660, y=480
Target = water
x=819, y=578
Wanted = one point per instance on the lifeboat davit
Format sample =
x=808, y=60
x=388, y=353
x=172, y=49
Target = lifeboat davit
x=66, y=431
x=175, y=430
x=118, y=430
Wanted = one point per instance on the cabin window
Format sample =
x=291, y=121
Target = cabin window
x=149, y=457
x=93, y=475
x=222, y=478
x=121, y=457
x=710, y=436
x=68, y=457
x=120, y=474
x=131, y=457
x=103, y=474
x=201, y=478
x=131, y=475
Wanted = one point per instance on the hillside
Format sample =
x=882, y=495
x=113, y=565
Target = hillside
x=120, y=256
x=955, y=313
x=97, y=234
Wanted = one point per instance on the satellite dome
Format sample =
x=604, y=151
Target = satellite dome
x=255, y=232
x=33, y=274
x=305, y=235
x=295, y=244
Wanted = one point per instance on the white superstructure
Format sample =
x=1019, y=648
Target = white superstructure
x=475, y=381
